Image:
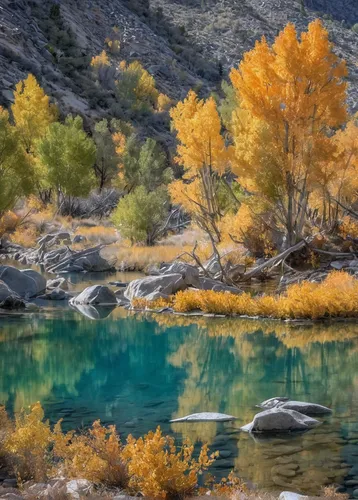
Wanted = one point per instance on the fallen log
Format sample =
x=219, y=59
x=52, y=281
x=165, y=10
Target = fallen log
x=274, y=261
x=73, y=257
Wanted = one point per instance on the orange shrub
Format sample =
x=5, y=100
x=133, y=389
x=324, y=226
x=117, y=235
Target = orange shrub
x=8, y=222
x=25, y=236
x=95, y=455
x=337, y=296
x=157, y=469
x=27, y=444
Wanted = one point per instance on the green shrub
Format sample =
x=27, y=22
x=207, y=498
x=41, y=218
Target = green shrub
x=140, y=215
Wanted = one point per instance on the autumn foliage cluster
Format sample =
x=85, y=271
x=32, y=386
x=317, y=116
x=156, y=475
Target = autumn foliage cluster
x=269, y=159
x=280, y=163
x=335, y=297
x=152, y=465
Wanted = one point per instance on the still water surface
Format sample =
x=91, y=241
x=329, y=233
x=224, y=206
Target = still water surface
x=141, y=371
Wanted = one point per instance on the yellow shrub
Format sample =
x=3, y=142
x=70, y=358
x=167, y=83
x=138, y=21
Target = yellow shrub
x=337, y=296
x=152, y=465
x=141, y=303
x=100, y=60
x=25, y=236
x=349, y=227
x=229, y=486
x=8, y=222
x=28, y=444
x=164, y=103
x=95, y=455
x=157, y=469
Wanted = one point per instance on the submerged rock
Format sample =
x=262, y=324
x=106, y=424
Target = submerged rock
x=55, y=294
x=96, y=294
x=167, y=284
x=26, y=283
x=206, y=417
x=280, y=420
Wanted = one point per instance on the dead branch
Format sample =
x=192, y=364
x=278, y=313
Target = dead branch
x=274, y=261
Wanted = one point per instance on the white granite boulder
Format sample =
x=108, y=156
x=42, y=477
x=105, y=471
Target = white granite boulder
x=26, y=283
x=96, y=294
x=166, y=284
x=206, y=417
x=280, y=420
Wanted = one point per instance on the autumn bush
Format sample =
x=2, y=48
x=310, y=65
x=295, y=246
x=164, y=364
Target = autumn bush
x=157, y=469
x=8, y=222
x=26, y=236
x=337, y=296
x=151, y=466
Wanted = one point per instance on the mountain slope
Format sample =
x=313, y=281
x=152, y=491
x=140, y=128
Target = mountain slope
x=183, y=43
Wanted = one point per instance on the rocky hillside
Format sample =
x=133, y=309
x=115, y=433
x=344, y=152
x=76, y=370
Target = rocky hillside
x=183, y=43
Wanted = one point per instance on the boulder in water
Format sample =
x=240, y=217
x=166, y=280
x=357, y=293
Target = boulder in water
x=206, y=417
x=300, y=406
x=280, y=420
x=167, y=284
x=272, y=402
x=306, y=408
x=26, y=283
x=55, y=294
x=96, y=294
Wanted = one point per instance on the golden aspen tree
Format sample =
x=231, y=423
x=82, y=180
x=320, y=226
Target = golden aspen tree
x=292, y=95
x=203, y=153
x=341, y=185
x=32, y=112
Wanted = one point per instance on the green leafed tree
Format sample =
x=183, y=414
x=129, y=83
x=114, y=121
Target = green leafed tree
x=68, y=155
x=106, y=166
x=140, y=215
x=144, y=165
x=16, y=172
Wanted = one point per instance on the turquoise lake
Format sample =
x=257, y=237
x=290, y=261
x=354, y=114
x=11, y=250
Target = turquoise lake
x=140, y=371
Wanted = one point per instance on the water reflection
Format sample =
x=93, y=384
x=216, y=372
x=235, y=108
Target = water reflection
x=139, y=371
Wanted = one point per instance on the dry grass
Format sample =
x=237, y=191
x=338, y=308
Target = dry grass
x=98, y=234
x=139, y=258
x=26, y=236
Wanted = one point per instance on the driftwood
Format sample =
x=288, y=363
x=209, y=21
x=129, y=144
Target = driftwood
x=274, y=261
x=62, y=264
x=335, y=254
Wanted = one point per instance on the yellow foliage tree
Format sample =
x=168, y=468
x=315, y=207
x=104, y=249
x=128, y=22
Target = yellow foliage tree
x=136, y=85
x=291, y=94
x=203, y=153
x=101, y=60
x=164, y=103
x=32, y=112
